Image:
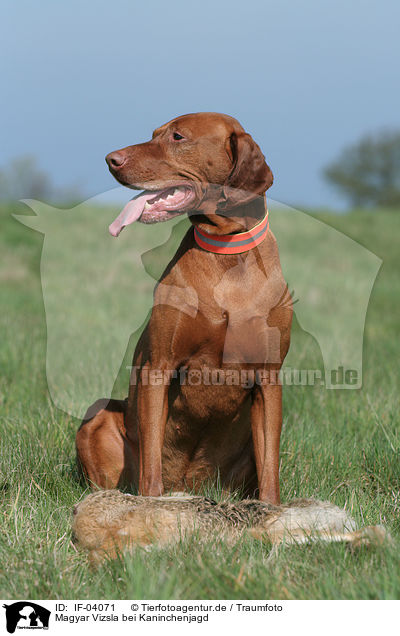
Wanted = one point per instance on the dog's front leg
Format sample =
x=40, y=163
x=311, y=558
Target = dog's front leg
x=152, y=404
x=266, y=424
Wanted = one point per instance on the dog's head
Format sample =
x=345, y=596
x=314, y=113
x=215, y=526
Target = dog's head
x=197, y=163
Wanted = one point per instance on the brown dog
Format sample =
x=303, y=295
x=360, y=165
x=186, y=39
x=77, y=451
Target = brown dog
x=217, y=318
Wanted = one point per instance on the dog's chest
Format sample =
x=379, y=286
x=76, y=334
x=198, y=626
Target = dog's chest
x=217, y=312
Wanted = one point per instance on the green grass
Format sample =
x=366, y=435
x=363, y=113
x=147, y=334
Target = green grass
x=338, y=445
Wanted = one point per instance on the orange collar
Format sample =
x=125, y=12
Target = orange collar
x=232, y=243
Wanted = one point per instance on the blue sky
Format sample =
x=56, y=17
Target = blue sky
x=304, y=78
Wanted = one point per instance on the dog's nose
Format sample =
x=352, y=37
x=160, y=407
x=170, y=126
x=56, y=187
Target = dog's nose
x=115, y=160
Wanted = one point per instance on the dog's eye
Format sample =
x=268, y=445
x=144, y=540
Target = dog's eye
x=176, y=136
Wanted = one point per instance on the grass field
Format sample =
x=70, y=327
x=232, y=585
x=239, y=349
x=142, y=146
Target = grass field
x=338, y=445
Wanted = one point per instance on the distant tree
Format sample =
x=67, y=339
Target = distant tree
x=368, y=172
x=22, y=178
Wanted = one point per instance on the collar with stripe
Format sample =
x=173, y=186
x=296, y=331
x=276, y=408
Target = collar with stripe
x=233, y=243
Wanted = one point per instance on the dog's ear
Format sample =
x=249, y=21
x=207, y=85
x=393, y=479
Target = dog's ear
x=250, y=176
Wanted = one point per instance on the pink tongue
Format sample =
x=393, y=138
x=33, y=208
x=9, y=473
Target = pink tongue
x=131, y=212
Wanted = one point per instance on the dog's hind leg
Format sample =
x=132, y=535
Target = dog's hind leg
x=106, y=457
